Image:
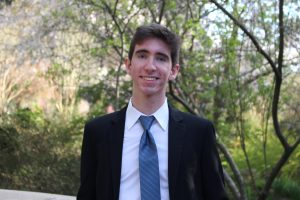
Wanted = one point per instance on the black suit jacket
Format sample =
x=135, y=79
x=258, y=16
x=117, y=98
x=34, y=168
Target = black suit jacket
x=194, y=166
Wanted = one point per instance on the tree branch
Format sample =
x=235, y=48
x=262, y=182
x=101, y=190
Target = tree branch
x=278, y=81
x=281, y=37
x=285, y=156
x=235, y=170
x=231, y=185
x=251, y=36
x=162, y=9
x=181, y=101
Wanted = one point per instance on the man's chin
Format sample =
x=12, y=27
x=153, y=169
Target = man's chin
x=149, y=92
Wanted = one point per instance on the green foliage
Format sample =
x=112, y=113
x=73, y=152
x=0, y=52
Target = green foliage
x=261, y=165
x=255, y=151
x=40, y=152
x=284, y=188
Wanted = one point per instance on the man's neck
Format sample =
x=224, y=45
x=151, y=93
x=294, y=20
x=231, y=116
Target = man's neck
x=148, y=105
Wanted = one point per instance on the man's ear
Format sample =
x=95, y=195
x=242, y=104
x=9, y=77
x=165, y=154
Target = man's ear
x=127, y=65
x=174, y=72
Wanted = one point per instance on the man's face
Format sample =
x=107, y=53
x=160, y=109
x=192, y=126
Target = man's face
x=151, y=68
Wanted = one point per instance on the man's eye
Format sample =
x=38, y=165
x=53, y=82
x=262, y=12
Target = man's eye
x=161, y=59
x=141, y=56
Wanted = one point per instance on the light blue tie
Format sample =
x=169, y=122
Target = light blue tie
x=148, y=159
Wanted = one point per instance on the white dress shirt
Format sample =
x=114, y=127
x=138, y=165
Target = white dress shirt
x=130, y=177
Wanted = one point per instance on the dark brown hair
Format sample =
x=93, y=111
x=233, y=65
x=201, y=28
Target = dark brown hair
x=156, y=31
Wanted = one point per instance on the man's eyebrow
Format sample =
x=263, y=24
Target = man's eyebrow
x=146, y=51
x=163, y=54
x=141, y=51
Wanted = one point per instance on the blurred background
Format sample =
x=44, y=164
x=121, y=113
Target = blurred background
x=61, y=64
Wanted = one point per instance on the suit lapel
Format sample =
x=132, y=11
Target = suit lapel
x=116, y=146
x=176, y=140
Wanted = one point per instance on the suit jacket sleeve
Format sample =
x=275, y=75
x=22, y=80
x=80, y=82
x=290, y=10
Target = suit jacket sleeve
x=212, y=171
x=87, y=190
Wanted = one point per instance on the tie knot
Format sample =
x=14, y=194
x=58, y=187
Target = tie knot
x=146, y=121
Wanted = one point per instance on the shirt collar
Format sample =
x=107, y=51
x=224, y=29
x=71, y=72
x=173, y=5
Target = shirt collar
x=161, y=115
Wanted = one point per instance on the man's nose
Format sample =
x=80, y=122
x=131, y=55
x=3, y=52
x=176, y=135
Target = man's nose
x=151, y=65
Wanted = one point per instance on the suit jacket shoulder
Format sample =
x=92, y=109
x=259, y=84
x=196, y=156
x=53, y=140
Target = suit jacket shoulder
x=190, y=120
x=101, y=122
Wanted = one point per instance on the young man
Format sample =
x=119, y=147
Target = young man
x=149, y=150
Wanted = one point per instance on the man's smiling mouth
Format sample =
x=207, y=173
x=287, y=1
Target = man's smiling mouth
x=149, y=78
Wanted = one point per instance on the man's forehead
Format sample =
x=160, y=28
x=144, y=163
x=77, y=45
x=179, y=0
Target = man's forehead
x=154, y=45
